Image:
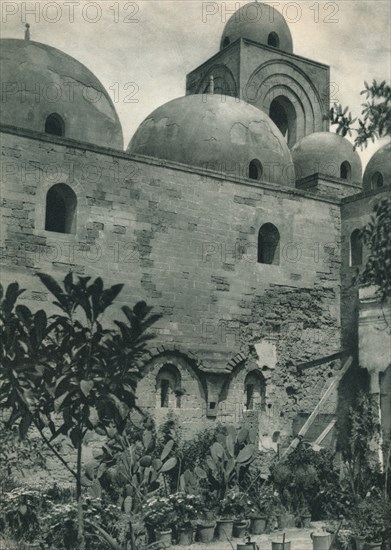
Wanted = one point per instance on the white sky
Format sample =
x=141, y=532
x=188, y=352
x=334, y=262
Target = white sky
x=149, y=56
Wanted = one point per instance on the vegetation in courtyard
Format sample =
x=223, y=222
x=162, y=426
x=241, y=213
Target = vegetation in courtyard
x=66, y=376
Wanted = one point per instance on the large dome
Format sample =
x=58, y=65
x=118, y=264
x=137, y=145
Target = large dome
x=44, y=89
x=326, y=153
x=219, y=133
x=378, y=171
x=260, y=23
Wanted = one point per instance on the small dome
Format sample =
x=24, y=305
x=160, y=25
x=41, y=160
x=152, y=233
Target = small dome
x=46, y=90
x=326, y=153
x=219, y=133
x=260, y=23
x=378, y=171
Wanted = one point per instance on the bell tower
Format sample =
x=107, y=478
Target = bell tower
x=256, y=64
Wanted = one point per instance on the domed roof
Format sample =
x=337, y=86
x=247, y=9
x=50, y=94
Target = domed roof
x=219, y=133
x=326, y=153
x=260, y=23
x=39, y=81
x=378, y=170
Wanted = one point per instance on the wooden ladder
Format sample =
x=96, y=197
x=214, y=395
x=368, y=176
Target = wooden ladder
x=310, y=420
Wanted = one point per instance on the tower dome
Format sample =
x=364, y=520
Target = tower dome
x=46, y=90
x=260, y=23
x=219, y=133
x=378, y=170
x=326, y=153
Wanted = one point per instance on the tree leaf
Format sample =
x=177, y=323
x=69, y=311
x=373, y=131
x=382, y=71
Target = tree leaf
x=86, y=387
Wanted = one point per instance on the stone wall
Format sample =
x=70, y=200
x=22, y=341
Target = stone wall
x=185, y=241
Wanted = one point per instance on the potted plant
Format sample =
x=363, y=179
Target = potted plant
x=370, y=521
x=262, y=504
x=206, y=530
x=159, y=516
x=230, y=508
x=185, y=508
x=305, y=517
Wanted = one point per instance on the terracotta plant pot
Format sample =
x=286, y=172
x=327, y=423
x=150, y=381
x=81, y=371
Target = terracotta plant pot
x=373, y=546
x=321, y=540
x=247, y=546
x=185, y=536
x=240, y=529
x=224, y=529
x=286, y=521
x=258, y=525
x=359, y=542
x=206, y=531
x=306, y=521
x=279, y=545
x=164, y=536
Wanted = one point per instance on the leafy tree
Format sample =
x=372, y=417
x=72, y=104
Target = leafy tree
x=376, y=115
x=358, y=451
x=377, y=236
x=67, y=375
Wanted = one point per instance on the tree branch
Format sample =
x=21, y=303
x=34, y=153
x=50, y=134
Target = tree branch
x=45, y=439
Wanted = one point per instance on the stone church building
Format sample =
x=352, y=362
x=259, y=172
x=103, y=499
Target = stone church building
x=233, y=211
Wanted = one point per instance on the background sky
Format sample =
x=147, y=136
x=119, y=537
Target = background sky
x=142, y=50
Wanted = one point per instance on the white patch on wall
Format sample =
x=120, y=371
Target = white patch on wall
x=267, y=353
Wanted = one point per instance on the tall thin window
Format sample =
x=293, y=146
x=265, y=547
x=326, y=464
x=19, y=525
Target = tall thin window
x=269, y=245
x=54, y=125
x=273, y=40
x=346, y=170
x=377, y=180
x=168, y=386
x=355, y=248
x=164, y=392
x=60, y=215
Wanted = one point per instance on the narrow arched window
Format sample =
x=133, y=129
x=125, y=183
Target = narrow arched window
x=283, y=114
x=377, y=180
x=54, y=125
x=355, y=248
x=345, y=172
x=60, y=214
x=226, y=42
x=269, y=245
x=254, y=392
x=168, y=386
x=255, y=170
x=273, y=40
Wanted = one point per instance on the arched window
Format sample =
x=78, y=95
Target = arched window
x=54, y=125
x=355, y=248
x=254, y=392
x=168, y=386
x=377, y=180
x=226, y=42
x=269, y=244
x=273, y=40
x=283, y=114
x=255, y=170
x=61, y=205
x=345, y=172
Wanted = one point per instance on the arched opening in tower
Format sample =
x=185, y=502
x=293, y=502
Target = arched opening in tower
x=283, y=114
